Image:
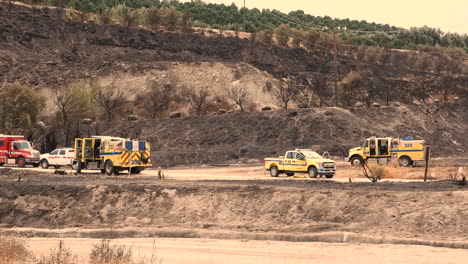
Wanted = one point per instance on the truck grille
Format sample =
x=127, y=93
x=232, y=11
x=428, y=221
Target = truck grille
x=329, y=165
x=36, y=155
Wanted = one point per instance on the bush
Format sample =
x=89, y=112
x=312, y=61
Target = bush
x=13, y=250
x=377, y=171
x=60, y=255
x=170, y=17
x=105, y=253
x=153, y=17
x=265, y=36
x=282, y=34
x=127, y=16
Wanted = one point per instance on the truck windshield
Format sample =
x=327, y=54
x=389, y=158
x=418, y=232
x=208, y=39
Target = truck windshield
x=23, y=145
x=312, y=155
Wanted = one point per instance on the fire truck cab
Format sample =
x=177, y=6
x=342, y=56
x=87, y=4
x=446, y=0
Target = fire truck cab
x=17, y=150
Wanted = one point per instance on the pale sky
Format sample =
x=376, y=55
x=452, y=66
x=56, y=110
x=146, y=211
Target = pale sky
x=448, y=15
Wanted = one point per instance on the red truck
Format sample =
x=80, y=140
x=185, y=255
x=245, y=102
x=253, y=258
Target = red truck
x=17, y=150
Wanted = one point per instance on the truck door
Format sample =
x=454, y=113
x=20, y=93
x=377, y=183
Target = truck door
x=78, y=148
x=53, y=157
x=300, y=162
x=288, y=160
x=372, y=147
x=365, y=148
x=383, y=147
x=88, y=148
x=61, y=158
x=3, y=152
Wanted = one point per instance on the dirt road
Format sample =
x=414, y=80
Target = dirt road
x=194, y=251
x=257, y=172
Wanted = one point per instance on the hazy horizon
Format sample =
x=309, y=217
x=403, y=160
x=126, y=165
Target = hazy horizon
x=450, y=16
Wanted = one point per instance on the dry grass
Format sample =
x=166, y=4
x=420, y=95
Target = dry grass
x=14, y=250
x=60, y=255
x=378, y=171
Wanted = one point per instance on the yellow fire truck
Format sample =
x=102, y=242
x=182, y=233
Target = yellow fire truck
x=111, y=155
x=406, y=151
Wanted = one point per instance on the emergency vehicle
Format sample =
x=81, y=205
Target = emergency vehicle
x=300, y=161
x=57, y=158
x=17, y=150
x=111, y=154
x=406, y=151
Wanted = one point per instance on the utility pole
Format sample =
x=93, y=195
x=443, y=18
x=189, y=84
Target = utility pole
x=244, y=3
x=336, y=69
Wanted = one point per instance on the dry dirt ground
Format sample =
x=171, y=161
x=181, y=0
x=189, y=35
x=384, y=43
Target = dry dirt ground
x=239, y=214
x=239, y=202
x=207, y=251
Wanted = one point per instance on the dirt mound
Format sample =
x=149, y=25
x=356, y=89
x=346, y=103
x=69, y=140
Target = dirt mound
x=389, y=209
x=238, y=137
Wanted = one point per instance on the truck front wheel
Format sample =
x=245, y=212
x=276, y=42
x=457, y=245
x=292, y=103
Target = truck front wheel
x=79, y=167
x=356, y=161
x=274, y=172
x=21, y=162
x=312, y=171
x=44, y=164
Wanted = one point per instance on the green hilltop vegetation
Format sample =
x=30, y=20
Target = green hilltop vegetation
x=230, y=17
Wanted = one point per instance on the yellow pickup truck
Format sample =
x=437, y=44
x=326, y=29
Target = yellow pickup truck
x=301, y=161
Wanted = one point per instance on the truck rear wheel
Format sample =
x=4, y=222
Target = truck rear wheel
x=312, y=171
x=21, y=162
x=405, y=161
x=274, y=172
x=109, y=167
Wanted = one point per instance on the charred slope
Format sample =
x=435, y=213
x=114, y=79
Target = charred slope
x=40, y=50
x=311, y=208
x=240, y=136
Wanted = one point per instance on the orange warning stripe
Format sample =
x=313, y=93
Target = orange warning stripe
x=124, y=157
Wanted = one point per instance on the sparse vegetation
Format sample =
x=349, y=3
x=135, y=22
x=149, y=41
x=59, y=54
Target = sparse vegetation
x=158, y=98
x=109, y=98
x=198, y=100
x=287, y=92
x=239, y=95
x=60, y=255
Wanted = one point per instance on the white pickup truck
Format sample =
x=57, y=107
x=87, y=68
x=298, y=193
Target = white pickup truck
x=57, y=158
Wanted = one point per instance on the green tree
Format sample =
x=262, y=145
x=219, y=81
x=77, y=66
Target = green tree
x=73, y=102
x=20, y=107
